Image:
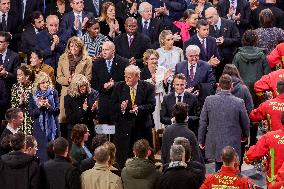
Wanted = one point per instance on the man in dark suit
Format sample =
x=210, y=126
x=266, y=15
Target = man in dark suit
x=10, y=22
x=236, y=10
x=149, y=26
x=95, y=6
x=29, y=34
x=208, y=46
x=106, y=72
x=25, y=8
x=133, y=104
x=51, y=42
x=132, y=44
x=9, y=62
x=227, y=37
x=179, y=95
x=73, y=22
x=15, y=118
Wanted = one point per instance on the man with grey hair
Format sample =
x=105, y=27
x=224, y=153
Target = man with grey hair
x=176, y=176
x=147, y=25
x=51, y=42
x=106, y=72
x=197, y=72
x=100, y=176
x=133, y=102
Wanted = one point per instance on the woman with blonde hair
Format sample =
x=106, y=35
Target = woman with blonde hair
x=75, y=59
x=109, y=24
x=44, y=109
x=169, y=55
x=80, y=104
x=157, y=75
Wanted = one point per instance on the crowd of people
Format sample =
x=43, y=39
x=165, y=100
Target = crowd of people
x=184, y=82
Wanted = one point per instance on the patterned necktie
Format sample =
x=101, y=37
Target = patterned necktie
x=217, y=31
x=4, y=24
x=130, y=40
x=79, y=32
x=191, y=72
x=179, y=98
x=203, y=45
x=108, y=65
x=132, y=96
x=145, y=28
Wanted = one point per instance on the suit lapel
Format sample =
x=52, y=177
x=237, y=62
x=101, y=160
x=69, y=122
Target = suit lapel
x=28, y=5
x=138, y=94
x=7, y=59
x=172, y=100
x=126, y=95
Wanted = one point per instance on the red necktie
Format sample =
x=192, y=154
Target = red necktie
x=191, y=72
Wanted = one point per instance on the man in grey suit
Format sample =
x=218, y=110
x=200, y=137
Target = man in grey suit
x=223, y=122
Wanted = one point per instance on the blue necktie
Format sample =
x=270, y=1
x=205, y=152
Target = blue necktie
x=108, y=65
x=145, y=28
x=79, y=32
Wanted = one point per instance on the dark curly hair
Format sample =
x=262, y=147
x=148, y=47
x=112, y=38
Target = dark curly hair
x=78, y=132
x=249, y=38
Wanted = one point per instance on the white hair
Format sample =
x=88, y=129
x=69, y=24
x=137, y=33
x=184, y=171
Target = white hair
x=177, y=153
x=142, y=6
x=194, y=48
x=132, y=69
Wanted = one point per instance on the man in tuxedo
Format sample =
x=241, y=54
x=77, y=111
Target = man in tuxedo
x=208, y=46
x=29, y=34
x=132, y=44
x=227, y=37
x=133, y=104
x=149, y=26
x=10, y=22
x=51, y=42
x=106, y=72
x=179, y=95
x=73, y=22
x=15, y=118
x=236, y=10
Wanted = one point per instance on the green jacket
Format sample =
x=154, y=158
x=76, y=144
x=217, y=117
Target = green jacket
x=139, y=174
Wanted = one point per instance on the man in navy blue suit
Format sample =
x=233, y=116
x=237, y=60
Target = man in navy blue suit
x=208, y=46
x=73, y=22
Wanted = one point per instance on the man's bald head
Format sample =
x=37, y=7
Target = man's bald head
x=211, y=15
x=130, y=25
x=52, y=24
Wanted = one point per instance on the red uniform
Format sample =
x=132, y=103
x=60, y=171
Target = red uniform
x=279, y=181
x=276, y=56
x=270, y=110
x=270, y=145
x=226, y=177
x=268, y=83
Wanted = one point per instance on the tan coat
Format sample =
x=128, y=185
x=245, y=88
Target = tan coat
x=84, y=67
x=45, y=68
x=100, y=177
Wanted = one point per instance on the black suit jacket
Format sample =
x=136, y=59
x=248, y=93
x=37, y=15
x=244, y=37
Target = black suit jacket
x=5, y=133
x=211, y=47
x=67, y=23
x=129, y=126
x=11, y=64
x=100, y=77
x=168, y=105
x=31, y=6
x=89, y=6
x=155, y=27
x=5, y=149
x=139, y=45
x=231, y=36
x=28, y=38
x=242, y=7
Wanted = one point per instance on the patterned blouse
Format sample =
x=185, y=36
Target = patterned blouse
x=17, y=90
x=268, y=38
x=94, y=45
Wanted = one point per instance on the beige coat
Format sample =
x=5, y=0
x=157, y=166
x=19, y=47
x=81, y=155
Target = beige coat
x=100, y=177
x=63, y=74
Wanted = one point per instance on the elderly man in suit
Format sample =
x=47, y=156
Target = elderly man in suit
x=132, y=44
x=223, y=122
x=133, y=104
x=73, y=22
x=208, y=45
x=179, y=95
x=236, y=10
x=196, y=71
x=149, y=26
x=227, y=37
x=106, y=72
x=51, y=42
